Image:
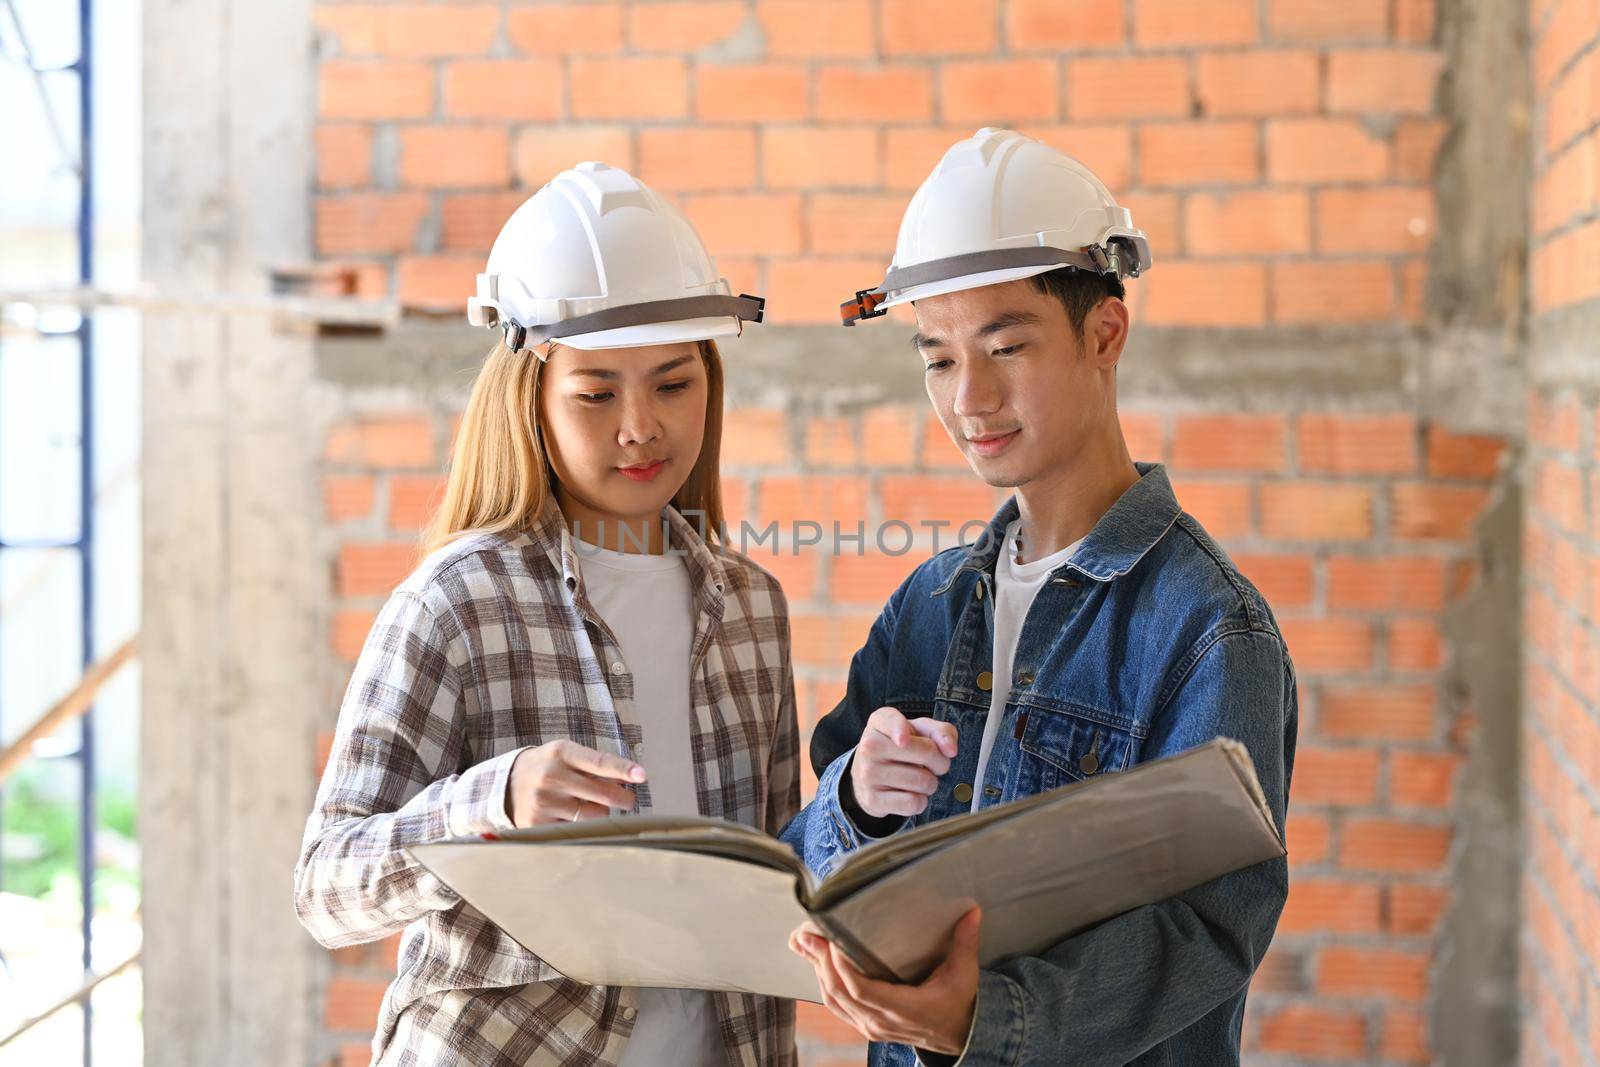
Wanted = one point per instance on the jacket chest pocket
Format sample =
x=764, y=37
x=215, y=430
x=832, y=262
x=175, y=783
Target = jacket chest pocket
x=1059, y=748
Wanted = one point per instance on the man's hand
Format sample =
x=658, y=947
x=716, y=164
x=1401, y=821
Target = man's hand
x=563, y=781
x=935, y=1016
x=897, y=764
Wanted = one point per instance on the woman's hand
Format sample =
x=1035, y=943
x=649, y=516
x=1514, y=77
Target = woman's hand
x=562, y=781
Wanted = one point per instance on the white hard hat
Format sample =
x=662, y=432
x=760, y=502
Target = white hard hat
x=1000, y=206
x=597, y=260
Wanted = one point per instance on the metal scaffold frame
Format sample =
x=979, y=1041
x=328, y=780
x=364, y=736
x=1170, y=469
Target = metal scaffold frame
x=83, y=543
x=299, y=297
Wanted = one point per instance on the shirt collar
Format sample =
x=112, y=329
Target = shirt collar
x=1141, y=516
x=707, y=571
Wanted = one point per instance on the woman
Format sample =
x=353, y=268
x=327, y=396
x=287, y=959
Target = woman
x=566, y=574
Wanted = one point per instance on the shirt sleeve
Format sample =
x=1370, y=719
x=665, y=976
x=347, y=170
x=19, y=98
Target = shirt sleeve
x=391, y=782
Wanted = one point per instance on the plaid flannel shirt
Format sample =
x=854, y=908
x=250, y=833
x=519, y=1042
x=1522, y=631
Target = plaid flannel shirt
x=489, y=647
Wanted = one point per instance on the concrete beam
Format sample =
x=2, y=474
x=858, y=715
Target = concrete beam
x=1462, y=376
x=1564, y=348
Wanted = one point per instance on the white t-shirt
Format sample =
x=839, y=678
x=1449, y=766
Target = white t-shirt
x=1015, y=586
x=649, y=604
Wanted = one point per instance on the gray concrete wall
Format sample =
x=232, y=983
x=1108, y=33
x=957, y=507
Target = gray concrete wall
x=228, y=691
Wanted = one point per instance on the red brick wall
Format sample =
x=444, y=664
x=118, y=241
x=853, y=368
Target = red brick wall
x=1357, y=529
x=1561, y=884
x=1566, y=71
x=1280, y=155
x=1278, y=152
x=1560, y=970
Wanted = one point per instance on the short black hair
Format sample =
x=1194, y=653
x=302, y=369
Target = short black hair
x=1079, y=291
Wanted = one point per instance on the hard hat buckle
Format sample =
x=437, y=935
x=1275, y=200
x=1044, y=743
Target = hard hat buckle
x=864, y=306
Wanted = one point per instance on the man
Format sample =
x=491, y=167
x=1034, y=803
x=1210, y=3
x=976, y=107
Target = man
x=1094, y=626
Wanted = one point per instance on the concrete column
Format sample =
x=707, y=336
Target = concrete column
x=230, y=695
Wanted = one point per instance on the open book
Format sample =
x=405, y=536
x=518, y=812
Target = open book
x=706, y=904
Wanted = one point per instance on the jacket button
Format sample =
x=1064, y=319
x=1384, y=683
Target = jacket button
x=1089, y=764
x=1025, y=678
x=619, y=668
x=977, y=590
x=986, y=681
x=963, y=793
x=629, y=1013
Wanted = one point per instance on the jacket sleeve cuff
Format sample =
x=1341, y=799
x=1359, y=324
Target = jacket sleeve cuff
x=850, y=835
x=477, y=798
x=999, y=1028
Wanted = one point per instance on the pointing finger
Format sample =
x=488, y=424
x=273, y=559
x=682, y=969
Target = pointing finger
x=943, y=734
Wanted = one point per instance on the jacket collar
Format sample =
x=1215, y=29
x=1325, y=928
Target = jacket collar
x=1141, y=516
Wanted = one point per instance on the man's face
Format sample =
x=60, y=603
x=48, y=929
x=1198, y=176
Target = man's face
x=1017, y=391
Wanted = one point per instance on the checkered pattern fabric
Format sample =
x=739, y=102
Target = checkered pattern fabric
x=490, y=647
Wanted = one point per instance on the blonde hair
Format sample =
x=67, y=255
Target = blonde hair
x=500, y=479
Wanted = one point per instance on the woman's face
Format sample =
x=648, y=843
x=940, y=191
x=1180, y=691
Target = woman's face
x=623, y=429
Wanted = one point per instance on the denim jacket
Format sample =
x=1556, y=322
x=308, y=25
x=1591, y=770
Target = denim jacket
x=1147, y=642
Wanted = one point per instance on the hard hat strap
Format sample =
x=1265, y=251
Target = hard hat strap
x=1095, y=258
x=743, y=307
x=938, y=270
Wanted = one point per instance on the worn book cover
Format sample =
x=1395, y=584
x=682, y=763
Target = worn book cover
x=707, y=904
